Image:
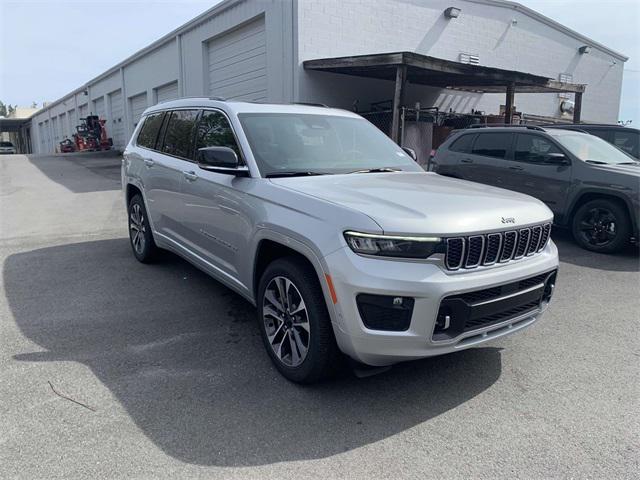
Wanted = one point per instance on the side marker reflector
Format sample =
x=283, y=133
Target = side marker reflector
x=332, y=290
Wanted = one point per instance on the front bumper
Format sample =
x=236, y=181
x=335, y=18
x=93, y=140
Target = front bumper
x=428, y=284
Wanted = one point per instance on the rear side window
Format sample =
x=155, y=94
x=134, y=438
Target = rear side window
x=627, y=141
x=533, y=148
x=492, y=144
x=462, y=144
x=214, y=131
x=178, y=138
x=149, y=131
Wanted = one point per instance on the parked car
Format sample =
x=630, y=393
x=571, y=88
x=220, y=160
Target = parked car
x=591, y=186
x=338, y=237
x=7, y=148
x=625, y=138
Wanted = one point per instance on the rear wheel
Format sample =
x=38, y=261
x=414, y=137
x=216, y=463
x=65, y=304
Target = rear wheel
x=142, y=244
x=601, y=226
x=294, y=322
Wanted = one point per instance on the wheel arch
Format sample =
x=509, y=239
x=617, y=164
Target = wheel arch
x=271, y=246
x=589, y=195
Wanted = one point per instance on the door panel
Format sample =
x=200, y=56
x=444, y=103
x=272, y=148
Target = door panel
x=487, y=160
x=528, y=173
x=216, y=211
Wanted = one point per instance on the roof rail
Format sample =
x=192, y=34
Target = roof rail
x=220, y=99
x=509, y=125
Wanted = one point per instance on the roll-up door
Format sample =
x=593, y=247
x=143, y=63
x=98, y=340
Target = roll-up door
x=98, y=108
x=167, y=92
x=138, y=105
x=238, y=63
x=116, y=129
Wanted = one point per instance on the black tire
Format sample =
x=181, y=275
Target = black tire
x=602, y=226
x=142, y=244
x=322, y=357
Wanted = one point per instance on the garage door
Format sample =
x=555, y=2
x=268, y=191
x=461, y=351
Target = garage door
x=98, y=108
x=167, y=92
x=116, y=129
x=238, y=63
x=84, y=110
x=138, y=105
x=55, y=131
x=73, y=121
x=64, y=128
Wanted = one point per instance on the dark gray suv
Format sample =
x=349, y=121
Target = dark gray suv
x=591, y=186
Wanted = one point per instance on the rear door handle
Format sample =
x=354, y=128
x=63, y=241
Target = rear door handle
x=149, y=163
x=466, y=160
x=190, y=175
x=516, y=168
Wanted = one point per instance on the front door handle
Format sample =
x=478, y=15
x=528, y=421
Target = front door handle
x=516, y=168
x=466, y=160
x=190, y=175
x=149, y=163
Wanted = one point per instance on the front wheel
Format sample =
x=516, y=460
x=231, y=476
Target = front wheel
x=601, y=226
x=142, y=244
x=294, y=322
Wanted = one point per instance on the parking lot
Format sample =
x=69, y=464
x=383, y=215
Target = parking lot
x=172, y=380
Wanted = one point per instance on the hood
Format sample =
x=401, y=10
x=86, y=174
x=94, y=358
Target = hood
x=632, y=170
x=424, y=203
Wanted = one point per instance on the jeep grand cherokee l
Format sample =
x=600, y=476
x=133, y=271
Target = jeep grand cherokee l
x=341, y=241
x=591, y=186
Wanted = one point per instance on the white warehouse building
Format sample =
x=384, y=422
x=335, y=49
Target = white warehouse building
x=454, y=56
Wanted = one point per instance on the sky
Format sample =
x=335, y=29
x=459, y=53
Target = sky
x=49, y=48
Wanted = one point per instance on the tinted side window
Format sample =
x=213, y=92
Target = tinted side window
x=149, y=131
x=214, y=131
x=178, y=138
x=492, y=144
x=533, y=148
x=627, y=141
x=462, y=144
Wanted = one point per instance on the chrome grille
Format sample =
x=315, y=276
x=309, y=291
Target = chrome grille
x=484, y=250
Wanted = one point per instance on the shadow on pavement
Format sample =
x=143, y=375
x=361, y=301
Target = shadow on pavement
x=183, y=356
x=569, y=252
x=70, y=171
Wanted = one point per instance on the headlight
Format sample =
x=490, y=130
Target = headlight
x=392, y=246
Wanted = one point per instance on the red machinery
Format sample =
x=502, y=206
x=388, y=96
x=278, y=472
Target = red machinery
x=67, y=146
x=91, y=135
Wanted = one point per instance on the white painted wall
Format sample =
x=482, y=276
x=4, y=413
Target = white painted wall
x=502, y=36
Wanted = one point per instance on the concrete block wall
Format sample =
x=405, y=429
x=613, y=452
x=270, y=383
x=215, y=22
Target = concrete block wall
x=503, y=37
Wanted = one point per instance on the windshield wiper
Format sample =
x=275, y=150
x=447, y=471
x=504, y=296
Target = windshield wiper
x=628, y=163
x=377, y=170
x=596, y=162
x=293, y=174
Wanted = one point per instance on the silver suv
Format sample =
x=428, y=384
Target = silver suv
x=343, y=243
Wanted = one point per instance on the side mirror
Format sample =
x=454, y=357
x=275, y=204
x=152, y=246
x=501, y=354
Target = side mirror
x=556, y=159
x=411, y=152
x=220, y=160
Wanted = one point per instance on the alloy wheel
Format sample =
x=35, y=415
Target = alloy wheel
x=598, y=226
x=138, y=228
x=286, y=321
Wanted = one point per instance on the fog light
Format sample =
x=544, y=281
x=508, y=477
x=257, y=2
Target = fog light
x=549, y=287
x=381, y=312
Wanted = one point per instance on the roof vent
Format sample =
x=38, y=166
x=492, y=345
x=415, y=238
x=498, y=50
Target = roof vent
x=469, y=58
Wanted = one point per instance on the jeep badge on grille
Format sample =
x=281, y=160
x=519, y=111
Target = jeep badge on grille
x=508, y=220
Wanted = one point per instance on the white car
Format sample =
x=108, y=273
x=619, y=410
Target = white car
x=344, y=244
x=7, y=148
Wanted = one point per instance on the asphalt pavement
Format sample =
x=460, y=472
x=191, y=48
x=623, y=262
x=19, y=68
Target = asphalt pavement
x=114, y=369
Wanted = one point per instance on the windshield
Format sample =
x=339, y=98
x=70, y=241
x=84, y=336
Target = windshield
x=6, y=144
x=593, y=149
x=320, y=144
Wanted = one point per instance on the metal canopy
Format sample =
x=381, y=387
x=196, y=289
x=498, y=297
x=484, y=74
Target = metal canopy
x=425, y=70
x=12, y=124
